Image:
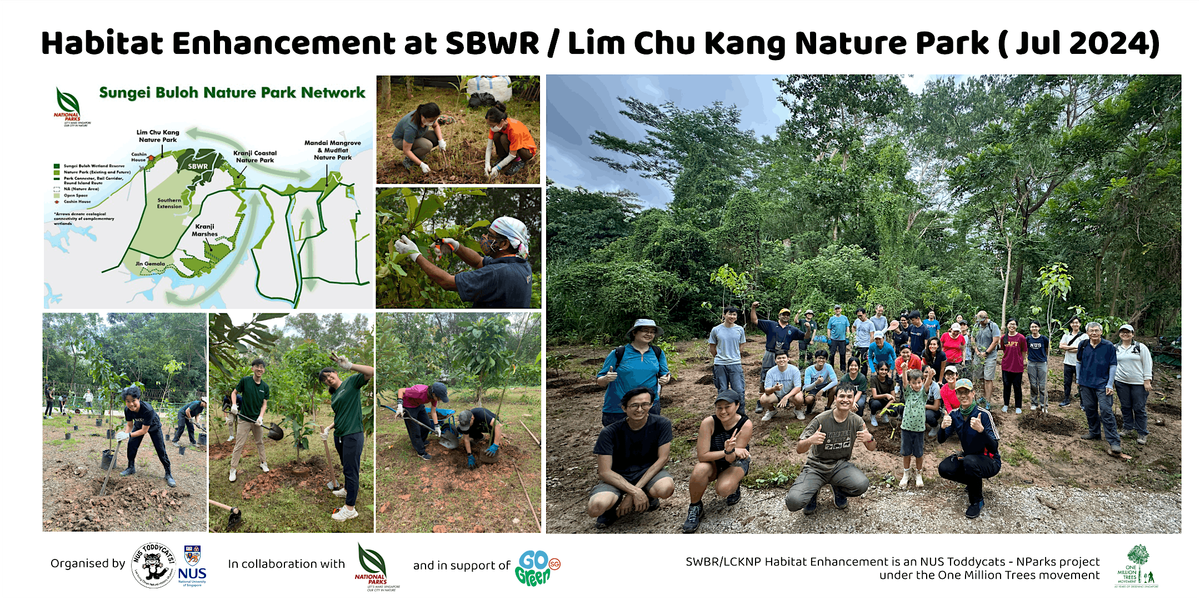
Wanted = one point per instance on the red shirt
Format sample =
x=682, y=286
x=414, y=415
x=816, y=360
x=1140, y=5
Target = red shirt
x=953, y=347
x=1015, y=348
x=949, y=398
x=900, y=368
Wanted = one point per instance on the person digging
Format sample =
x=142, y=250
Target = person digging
x=186, y=417
x=251, y=397
x=416, y=419
x=348, y=436
x=472, y=425
x=140, y=421
x=501, y=279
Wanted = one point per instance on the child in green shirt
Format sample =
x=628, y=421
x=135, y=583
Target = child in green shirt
x=912, y=426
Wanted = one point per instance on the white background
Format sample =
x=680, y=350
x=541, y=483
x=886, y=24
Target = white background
x=592, y=566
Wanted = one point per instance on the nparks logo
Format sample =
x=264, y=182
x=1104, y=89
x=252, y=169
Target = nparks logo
x=371, y=562
x=70, y=109
x=1136, y=574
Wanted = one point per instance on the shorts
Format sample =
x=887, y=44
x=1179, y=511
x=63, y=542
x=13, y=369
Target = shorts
x=912, y=443
x=604, y=487
x=722, y=465
x=989, y=368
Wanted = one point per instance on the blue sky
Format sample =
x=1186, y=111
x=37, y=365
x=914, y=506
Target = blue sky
x=577, y=106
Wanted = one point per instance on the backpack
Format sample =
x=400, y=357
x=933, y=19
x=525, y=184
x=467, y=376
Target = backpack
x=620, y=353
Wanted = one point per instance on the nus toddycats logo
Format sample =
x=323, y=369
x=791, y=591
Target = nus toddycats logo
x=1136, y=573
x=153, y=565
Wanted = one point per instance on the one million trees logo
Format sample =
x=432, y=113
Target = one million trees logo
x=1135, y=574
x=69, y=104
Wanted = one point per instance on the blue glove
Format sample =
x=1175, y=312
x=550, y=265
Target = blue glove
x=471, y=461
x=492, y=450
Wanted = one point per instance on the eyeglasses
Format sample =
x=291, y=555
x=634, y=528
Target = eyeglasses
x=647, y=330
x=640, y=406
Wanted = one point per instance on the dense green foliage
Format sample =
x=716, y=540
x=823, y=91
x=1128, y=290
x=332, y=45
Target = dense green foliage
x=952, y=199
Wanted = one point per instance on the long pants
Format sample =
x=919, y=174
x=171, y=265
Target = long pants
x=244, y=429
x=421, y=146
x=845, y=478
x=49, y=407
x=1012, y=381
x=501, y=142
x=416, y=433
x=1097, y=407
x=839, y=347
x=231, y=421
x=160, y=446
x=971, y=470
x=768, y=363
x=731, y=377
x=181, y=422
x=349, y=449
x=875, y=404
x=860, y=352
x=1133, y=406
x=1068, y=379
x=1037, y=382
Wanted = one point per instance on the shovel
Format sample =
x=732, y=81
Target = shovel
x=110, y=466
x=274, y=431
x=447, y=439
x=333, y=483
x=235, y=514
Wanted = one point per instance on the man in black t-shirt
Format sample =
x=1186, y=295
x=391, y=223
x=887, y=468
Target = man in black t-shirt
x=631, y=455
x=186, y=417
x=472, y=425
x=142, y=421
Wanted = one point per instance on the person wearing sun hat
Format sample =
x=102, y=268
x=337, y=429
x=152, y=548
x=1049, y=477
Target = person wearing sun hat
x=980, y=456
x=637, y=364
x=501, y=278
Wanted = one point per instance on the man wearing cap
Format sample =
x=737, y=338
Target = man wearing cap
x=636, y=364
x=836, y=329
x=501, y=279
x=410, y=408
x=829, y=442
x=630, y=457
x=472, y=425
x=779, y=340
x=725, y=345
x=1097, y=375
x=864, y=331
x=880, y=352
x=808, y=329
x=980, y=456
x=987, y=339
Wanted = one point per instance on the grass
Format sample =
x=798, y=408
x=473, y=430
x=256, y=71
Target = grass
x=773, y=475
x=64, y=443
x=1020, y=454
x=466, y=139
x=287, y=509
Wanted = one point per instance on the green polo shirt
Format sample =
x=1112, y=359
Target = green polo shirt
x=254, y=395
x=347, y=406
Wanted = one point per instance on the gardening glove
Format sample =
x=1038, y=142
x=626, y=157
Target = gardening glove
x=492, y=450
x=121, y=435
x=470, y=461
x=442, y=145
x=258, y=422
x=452, y=243
x=233, y=409
x=437, y=429
x=341, y=361
x=407, y=248
x=494, y=173
x=424, y=168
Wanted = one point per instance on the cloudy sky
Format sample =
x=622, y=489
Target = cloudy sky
x=581, y=105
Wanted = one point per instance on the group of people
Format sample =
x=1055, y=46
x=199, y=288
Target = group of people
x=920, y=384
x=419, y=132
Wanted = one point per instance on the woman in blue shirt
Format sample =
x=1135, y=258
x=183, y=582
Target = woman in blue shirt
x=1037, y=366
x=636, y=364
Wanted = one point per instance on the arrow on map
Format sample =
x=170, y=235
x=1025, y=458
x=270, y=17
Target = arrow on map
x=253, y=204
x=299, y=175
x=310, y=261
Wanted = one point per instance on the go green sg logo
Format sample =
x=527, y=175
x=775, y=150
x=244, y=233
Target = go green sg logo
x=533, y=568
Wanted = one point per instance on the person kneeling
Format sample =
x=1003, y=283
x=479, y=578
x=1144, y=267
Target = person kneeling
x=630, y=456
x=829, y=441
x=980, y=456
x=472, y=424
x=722, y=455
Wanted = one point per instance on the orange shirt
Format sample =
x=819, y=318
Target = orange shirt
x=518, y=136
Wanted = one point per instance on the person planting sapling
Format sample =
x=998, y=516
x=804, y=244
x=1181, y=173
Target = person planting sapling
x=500, y=279
x=142, y=421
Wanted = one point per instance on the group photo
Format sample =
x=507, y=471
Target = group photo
x=864, y=303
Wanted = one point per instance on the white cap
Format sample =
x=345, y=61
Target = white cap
x=955, y=327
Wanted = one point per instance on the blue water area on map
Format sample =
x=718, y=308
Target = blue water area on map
x=60, y=239
x=50, y=297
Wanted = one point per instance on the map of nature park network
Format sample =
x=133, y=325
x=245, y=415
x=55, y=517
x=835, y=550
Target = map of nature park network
x=189, y=229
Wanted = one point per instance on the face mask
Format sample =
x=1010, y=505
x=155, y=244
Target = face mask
x=497, y=129
x=431, y=123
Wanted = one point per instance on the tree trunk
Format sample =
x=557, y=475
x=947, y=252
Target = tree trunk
x=386, y=93
x=1007, y=272
x=1116, y=288
x=1017, y=283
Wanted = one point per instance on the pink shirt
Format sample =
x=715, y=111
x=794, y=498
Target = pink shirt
x=953, y=347
x=416, y=396
x=1015, y=348
x=949, y=398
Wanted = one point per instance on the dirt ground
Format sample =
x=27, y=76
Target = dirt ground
x=443, y=495
x=466, y=140
x=1045, y=462
x=72, y=479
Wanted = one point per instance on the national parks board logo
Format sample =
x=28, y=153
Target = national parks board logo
x=1137, y=573
x=376, y=570
x=70, y=110
x=153, y=565
x=534, y=566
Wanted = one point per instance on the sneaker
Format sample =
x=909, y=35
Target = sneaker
x=694, y=514
x=799, y=414
x=886, y=419
x=1141, y=440
x=426, y=456
x=734, y=498
x=130, y=471
x=1114, y=449
x=920, y=482
x=1090, y=436
x=811, y=507
x=840, y=501
x=758, y=408
x=233, y=475
x=340, y=493
x=654, y=504
x=515, y=166
x=1018, y=411
x=1005, y=409
x=608, y=518
x=904, y=480
x=874, y=423
x=230, y=439
x=770, y=414
x=1128, y=433
x=345, y=513
x=175, y=443
x=974, y=509
x=263, y=466
x=1064, y=403
x=932, y=432
x=170, y=480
